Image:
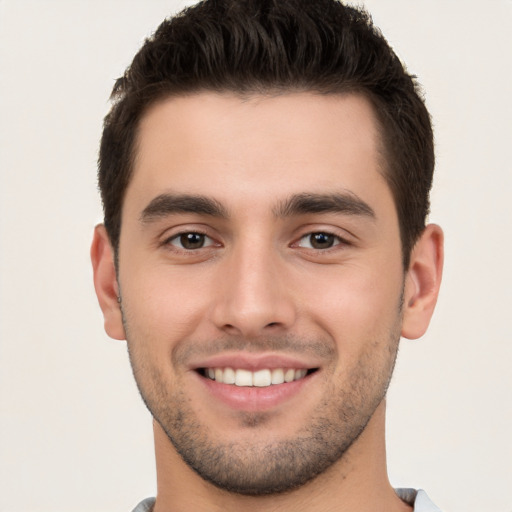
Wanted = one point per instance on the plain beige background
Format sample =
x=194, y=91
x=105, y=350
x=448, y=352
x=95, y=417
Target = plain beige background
x=74, y=434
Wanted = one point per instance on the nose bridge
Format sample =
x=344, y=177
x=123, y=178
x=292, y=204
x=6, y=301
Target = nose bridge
x=254, y=296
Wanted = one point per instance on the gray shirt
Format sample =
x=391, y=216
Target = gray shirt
x=419, y=499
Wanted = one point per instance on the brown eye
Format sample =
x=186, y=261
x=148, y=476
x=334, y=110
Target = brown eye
x=319, y=240
x=191, y=241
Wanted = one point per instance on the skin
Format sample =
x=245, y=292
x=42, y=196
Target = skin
x=259, y=288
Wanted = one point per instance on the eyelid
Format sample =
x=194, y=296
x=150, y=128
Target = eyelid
x=209, y=242
x=337, y=240
x=342, y=236
x=176, y=232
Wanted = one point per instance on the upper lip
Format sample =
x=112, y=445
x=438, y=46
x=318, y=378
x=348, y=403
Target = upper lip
x=253, y=362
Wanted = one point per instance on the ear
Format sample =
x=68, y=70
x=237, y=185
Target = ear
x=105, y=282
x=422, y=282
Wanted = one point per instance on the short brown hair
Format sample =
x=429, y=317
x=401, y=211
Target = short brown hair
x=269, y=46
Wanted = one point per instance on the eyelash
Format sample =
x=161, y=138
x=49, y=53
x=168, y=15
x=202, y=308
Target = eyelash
x=205, y=239
x=179, y=237
x=336, y=240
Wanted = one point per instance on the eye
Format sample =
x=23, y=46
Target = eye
x=190, y=241
x=319, y=240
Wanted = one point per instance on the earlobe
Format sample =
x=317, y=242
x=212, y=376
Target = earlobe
x=422, y=283
x=105, y=283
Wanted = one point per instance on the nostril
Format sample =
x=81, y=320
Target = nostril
x=231, y=329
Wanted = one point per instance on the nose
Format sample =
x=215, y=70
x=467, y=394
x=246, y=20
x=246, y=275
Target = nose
x=254, y=297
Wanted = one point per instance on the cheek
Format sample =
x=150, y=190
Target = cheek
x=163, y=303
x=357, y=305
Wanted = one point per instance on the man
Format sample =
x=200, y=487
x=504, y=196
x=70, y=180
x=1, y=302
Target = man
x=265, y=172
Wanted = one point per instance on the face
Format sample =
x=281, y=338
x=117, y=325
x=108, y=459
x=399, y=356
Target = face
x=261, y=282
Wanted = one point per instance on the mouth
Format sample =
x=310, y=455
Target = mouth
x=261, y=378
x=255, y=382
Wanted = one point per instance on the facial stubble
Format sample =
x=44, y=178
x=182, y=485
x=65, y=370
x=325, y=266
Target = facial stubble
x=266, y=467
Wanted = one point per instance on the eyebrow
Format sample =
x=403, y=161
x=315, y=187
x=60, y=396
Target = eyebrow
x=300, y=204
x=346, y=203
x=169, y=204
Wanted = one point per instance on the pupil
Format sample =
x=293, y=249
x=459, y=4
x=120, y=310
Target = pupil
x=192, y=240
x=322, y=240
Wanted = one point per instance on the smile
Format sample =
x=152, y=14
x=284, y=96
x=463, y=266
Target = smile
x=260, y=378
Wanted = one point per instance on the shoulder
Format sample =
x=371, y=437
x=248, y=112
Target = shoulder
x=145, y=505
x=418, y=499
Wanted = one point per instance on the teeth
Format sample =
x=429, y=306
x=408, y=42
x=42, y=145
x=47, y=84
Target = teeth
x=289, y=375
x=242, y=378
x=300, y=374
x=229, y=376
x=278, y=376
x=260, y=378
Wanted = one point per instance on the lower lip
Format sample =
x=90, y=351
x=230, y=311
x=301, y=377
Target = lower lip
x=252, y=398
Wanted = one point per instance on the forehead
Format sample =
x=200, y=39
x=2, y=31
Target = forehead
x=253, y=150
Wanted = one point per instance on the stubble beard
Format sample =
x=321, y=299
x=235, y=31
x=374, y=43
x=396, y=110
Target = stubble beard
x=270, y=467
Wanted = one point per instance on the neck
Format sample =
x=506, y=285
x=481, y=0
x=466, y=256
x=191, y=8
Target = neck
x=357, y=482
